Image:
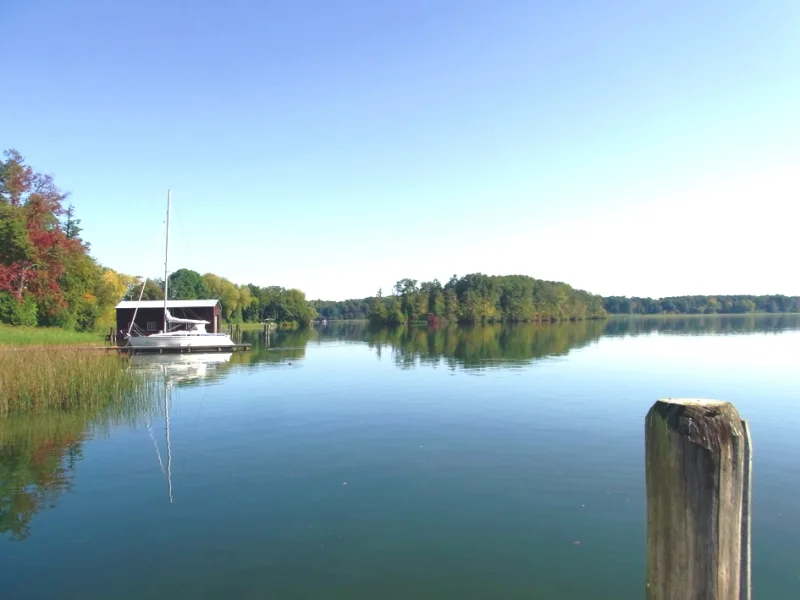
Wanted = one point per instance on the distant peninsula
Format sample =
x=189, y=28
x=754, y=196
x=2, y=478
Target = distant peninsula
x=519, y=298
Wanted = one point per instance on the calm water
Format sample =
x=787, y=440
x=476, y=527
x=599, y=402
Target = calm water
x=497, y=462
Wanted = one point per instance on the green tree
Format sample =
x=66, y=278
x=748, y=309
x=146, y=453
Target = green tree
x=185, y=284
x=15, y=245
x=225, y=291
x=72, y=228
x=153, y=290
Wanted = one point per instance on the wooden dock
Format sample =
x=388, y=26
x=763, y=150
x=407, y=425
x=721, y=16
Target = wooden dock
x=132, y=350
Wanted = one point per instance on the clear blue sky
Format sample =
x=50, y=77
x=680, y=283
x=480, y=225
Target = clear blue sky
x=625, y=147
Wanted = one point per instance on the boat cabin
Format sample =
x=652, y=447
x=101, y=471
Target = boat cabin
x=150, y=314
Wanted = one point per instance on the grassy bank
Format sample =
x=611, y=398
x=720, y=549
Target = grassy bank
x=45, y=336
x=249, y=326
x=35, y=378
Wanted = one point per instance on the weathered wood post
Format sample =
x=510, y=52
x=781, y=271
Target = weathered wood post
x=699, y=463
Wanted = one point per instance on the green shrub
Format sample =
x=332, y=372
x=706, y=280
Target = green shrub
x=17, y=312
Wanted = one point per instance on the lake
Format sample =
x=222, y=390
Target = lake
x=484, y=462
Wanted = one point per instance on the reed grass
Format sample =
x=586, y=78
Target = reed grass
x=34, y=379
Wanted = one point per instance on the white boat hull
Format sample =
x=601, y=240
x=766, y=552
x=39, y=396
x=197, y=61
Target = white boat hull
x=182, y=339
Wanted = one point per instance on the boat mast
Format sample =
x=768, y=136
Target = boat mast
x=166, y=258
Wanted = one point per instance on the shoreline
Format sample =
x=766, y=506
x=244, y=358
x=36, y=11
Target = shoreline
x=698, y=315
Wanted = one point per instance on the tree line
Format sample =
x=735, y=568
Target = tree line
x=701, y=305
x=344, y=310
x=481, y=298
x=48, y=277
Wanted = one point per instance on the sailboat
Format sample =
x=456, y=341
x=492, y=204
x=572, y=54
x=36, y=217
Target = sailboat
x=185, y=333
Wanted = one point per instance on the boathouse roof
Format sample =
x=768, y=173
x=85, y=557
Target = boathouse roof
x=170, y=303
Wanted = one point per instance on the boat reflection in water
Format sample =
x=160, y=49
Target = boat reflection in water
x=182, y=369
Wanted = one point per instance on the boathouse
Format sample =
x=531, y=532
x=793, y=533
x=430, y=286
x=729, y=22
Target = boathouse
x=150, y=313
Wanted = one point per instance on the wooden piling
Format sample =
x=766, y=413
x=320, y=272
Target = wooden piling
x=698, y=470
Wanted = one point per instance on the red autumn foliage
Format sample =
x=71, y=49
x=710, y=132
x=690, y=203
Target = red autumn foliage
x=31, y=206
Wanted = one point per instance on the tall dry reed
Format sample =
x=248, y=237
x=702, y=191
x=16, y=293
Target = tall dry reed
x=36, y=378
